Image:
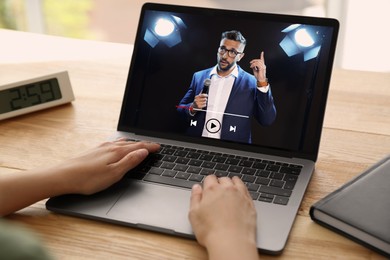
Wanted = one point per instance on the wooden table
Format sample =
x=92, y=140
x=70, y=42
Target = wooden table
x=356, y=134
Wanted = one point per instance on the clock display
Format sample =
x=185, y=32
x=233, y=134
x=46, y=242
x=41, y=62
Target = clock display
x=29, y=95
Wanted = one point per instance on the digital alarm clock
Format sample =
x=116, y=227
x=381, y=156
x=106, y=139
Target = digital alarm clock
x=35, y=94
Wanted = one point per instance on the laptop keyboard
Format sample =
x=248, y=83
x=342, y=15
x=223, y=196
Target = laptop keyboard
x=267, y=181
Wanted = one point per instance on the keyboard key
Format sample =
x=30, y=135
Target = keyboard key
x=221, y=174
x=295, y=166
x=248, y=178
x=168, y=165
x=281, y=200
x=180, y=153
x=169, y=173
x=289, y=185
x=248, y=171
x=169, y=181
x=169, y=158
x=277, y=183
x=232, y=161
x=182, y=160
x=209, y=165
x=259, y=165
x=232, y=174
x=193, y=155
x=194, y=162
x=155, y=156
x=290, y=177
x=206, y=172
x=219, y=159
x=245, y=163
x=275, y=191
x=157, y=171
x=155, y=163
x=262, y=181
x=264, y=199
x=263, y=173
x=268, y=162
x=252, y=186
x=281, y=164
x=194, y=169
x=183, y=175
x=222, y=167
x=206, y=157
x=143, y=168
x=196, y=177
x=168, y=151
x=181, y=167
x=272, y=167
x=234, y=168
x=277, y=175
x=269, y=196
x=289, y=170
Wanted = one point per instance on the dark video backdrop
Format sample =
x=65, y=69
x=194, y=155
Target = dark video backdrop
x=160, y=76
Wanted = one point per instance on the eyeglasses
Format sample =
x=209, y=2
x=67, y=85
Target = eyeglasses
x=232, y=52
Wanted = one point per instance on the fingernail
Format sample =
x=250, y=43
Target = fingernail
x=195, y=187
x=142, y=152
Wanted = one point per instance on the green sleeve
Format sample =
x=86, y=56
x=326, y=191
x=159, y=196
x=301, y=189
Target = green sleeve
x=18, y=243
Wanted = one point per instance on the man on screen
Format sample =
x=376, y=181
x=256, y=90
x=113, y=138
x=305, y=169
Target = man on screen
x=223, y=110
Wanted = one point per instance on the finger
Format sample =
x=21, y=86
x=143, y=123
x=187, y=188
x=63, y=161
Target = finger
x=124, y=142
x=210, y=180
x=136, y=144
x=151, y=147
x=196, y=195
x=241, y=186
x=128, y=162
x=225, y=181
x=120, y=139
x=262, y=56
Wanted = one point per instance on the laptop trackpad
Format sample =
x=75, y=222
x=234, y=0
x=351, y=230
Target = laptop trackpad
x=154, y=207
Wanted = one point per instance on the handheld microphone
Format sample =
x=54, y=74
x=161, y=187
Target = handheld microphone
x=206, y=85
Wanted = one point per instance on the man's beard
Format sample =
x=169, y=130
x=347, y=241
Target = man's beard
x=228, y=67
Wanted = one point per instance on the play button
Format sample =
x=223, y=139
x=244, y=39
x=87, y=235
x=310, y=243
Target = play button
x=213, y=126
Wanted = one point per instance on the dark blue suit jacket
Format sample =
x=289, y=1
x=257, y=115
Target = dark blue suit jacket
x=245, y=99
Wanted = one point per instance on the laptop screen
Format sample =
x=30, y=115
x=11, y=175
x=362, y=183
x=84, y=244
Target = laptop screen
x=234, y=79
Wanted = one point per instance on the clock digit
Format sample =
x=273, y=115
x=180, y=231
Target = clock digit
x=19, y=97
x=29, y=94
x=47, y=88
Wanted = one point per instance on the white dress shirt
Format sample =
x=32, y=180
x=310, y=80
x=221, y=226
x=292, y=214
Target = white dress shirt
x=218, y=96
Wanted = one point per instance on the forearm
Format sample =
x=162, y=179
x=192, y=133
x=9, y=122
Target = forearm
x=89, y=173
x=223, y=249
x=19, y=190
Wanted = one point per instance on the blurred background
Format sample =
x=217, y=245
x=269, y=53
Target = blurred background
x=363, y=40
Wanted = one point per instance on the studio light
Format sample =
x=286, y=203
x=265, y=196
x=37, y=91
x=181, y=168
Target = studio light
x=165, y=29
x=301, y=39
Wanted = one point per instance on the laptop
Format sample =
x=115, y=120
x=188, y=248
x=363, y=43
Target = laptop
x=274, y=153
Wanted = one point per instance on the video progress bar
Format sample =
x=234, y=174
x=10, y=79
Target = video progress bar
x=217, y=112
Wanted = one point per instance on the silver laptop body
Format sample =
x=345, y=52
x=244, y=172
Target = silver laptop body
x=161, y=74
